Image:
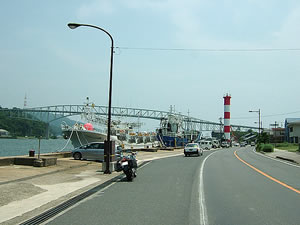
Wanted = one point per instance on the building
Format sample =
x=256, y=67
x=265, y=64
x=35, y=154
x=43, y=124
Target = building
x=4, y=133
x=292, y=130
x=277, y=135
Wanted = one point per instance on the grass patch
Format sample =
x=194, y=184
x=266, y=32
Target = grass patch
x=288, y=147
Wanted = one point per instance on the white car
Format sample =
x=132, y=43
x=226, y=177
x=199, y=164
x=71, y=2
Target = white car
x=207, y=145
x=237, y=144
x=225, y=144
x=193, y=148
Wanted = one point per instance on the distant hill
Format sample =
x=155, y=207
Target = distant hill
x=21, y=127
x=32, y=125
x=55, y=124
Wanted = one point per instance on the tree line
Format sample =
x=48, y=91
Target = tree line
x=21, y=127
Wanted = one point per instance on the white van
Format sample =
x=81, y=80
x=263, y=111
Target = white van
x=204, y=144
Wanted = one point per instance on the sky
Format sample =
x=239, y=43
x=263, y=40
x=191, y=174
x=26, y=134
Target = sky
x=167, y=52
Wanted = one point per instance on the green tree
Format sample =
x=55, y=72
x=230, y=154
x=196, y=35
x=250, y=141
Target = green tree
x=263, y=138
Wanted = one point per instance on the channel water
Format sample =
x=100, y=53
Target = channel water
x=17, y=147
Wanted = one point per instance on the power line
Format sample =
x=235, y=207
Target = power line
x=264, y=116
x=210, y=49
x=281, y=114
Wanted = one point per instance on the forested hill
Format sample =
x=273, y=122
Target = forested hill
x=22, y=127
x=26, y=127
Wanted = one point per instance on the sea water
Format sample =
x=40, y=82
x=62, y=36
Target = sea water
x=17, y=147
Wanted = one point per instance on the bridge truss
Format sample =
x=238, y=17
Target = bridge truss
x=51, y=113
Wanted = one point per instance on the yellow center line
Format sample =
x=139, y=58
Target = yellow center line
x=266, y=175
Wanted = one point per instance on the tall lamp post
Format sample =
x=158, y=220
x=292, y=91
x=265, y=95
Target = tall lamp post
x=259, y=127
x=109, y=143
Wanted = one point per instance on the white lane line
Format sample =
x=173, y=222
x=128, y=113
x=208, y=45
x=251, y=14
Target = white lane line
x=269, y=157
x=202, y=206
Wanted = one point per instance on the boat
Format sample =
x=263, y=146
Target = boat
x=169, y=133
x=121, y=132
x=172, y=132
x=83, y=134
x=80, y=135
x=131, y=139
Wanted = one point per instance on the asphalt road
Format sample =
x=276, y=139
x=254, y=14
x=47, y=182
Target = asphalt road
x=216, y=188
x=237, y=194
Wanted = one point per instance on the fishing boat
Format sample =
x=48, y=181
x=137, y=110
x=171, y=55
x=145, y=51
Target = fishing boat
x=121, y=132
x=172, y=132
x=80, y=134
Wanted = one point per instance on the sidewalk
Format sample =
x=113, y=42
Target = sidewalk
x=285, y=155
x=28, y=191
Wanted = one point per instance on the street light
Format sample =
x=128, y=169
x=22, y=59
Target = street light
x=259, y=125
x=109, y=143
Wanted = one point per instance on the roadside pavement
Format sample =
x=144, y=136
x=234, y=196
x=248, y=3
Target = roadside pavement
x=28, y=191
x=285, y=155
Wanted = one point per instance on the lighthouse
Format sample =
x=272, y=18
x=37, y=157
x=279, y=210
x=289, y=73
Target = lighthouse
x=227, y=98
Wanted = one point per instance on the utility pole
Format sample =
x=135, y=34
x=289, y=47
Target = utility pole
x=274, y=134
x=259, y=123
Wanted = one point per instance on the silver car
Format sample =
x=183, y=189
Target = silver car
x=193, y=148
x=93, y=151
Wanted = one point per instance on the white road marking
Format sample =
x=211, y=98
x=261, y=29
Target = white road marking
x=202, y=206
x=290, y=164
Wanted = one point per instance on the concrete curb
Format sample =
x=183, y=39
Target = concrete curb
x=287, y=159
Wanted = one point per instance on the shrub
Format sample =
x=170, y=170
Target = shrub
x=268, y=148
x=259, y=147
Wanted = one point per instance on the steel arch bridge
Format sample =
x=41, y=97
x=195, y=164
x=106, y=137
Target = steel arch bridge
x=52, y=113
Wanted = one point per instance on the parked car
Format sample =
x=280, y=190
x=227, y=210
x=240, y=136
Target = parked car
x=252, y=143
x=193, y=148
x=243, y=144
x=215, y=144
x=207, y=145
x=94, y=151
x=225, y=144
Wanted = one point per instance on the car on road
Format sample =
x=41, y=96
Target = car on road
x=94, y=151
x=252, y=143
x=215, y=143
x=225, y=144
x=204, y=144
x=243, y=144
x=236, y=144
x=193, y=149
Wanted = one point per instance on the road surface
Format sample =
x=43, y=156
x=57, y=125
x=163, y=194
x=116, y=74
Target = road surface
x=229, y=186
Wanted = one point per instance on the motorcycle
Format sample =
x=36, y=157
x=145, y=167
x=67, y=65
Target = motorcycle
x=128, y=164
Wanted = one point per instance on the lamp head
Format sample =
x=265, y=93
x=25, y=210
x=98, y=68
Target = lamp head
x=73, y=25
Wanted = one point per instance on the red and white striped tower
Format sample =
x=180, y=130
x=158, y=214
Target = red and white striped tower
x=227, y=117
